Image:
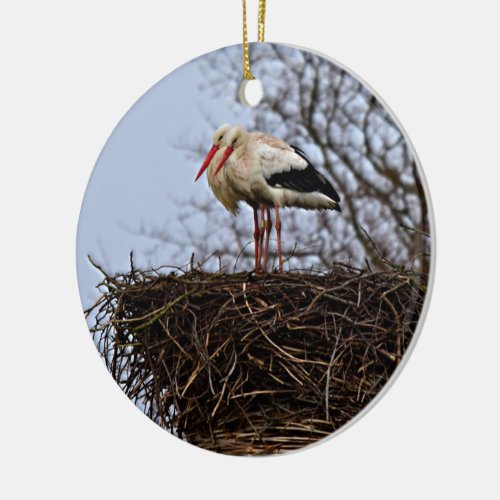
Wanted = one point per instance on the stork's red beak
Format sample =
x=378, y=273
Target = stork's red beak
x=207, y=161
x=227, y=154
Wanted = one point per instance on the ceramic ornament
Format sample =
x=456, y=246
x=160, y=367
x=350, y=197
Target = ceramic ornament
x=255, y=249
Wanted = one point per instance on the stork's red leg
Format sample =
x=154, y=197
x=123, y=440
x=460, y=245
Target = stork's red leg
x=256, y=238
x=278, y=236
x=261, y=234
x=268, y=233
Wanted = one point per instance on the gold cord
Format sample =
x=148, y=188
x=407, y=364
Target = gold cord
x=247, y=74
x=262, y=19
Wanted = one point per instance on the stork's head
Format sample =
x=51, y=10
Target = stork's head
x=220, y=133
x=234, y=139
x=218, y=138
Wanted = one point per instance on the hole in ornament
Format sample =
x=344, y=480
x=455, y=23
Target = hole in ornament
x=250, y=92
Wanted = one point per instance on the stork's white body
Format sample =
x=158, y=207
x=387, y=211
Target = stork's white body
x=267, y=171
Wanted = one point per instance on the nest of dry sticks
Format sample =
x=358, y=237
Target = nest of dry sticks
x=254, y=365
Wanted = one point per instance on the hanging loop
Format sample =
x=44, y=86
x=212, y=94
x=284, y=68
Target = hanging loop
x=247, y=73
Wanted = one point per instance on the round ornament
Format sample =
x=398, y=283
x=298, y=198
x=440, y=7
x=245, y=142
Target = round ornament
x=268, y=305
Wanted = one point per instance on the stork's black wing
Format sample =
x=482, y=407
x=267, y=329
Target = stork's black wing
x=306, y=180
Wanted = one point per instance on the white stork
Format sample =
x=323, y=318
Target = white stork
x=219, y=184
x=267, y=172
x=222, y=189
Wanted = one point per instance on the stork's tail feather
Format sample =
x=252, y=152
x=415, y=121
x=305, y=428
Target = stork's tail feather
x=332, y=205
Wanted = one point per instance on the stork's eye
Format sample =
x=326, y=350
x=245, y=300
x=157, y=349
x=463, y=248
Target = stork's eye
x=234, y=142
x=221, y=137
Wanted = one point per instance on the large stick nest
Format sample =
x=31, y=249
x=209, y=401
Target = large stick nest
x=245, y=365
